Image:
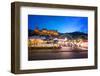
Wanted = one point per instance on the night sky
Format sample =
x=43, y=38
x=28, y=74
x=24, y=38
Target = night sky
x=63, y=24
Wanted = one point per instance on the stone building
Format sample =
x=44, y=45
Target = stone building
x=45, y=32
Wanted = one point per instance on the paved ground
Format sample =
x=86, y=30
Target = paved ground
x=64, y=53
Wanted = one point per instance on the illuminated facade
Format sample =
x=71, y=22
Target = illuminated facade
x=45, y=32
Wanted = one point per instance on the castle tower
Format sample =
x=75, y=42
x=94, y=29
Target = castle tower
x=36, y=27
x=36, y=30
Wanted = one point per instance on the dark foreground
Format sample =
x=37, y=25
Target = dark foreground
x=47, y=54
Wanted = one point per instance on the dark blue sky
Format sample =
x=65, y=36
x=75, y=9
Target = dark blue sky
x=62, y=24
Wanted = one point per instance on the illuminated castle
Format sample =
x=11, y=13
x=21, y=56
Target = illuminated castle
x=45, y=32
